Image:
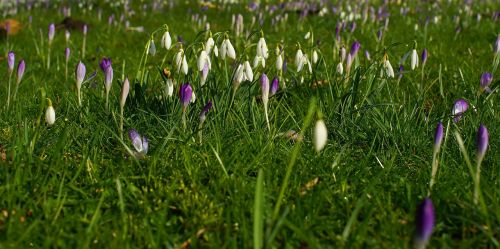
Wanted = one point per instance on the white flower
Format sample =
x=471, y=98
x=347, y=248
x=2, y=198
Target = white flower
x=259, y=60
x=50, y=114
x=178, y=59
x=340, y=68
x=193, y=97
x=227, y=50
x=279, y=62
x=262, y=50
x=298, y=59
x=216, y=51
x=239, y=75
x=248, y=71
x=152, y=47
x=342, y=54
x=166, y=40
x=320, y=135
x=170, y=88
x=307, y=36
x=209, y=45
x=414, y=59
x=315, y=57
x=202, y=60
x=184, y=65
x=388, y=69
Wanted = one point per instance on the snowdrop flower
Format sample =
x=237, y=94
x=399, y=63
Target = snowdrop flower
x=203, y=60
x=340, y=68
x=262, y=50
x=389, y=71
x=209, y=44
x=248, y=73
x=227, y=50
x=216, y=51
x=140, y=143
x=264, y=84
x=320, y=135
x=239, y=76
x=152, y=47
x=170, y=87
x=342, y=54
x=298, y=59
x=181, y=62
x=50, y=114
x=166, y=40
x=259, y=60
x=315, y=57
x=279, y=59
x=414, y=59
x=204, y=74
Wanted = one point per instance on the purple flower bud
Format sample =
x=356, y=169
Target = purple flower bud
x=85, y=29
x=424, y=221
x=459, y=108
x=140, y=143
x=185, y=94
x=424, y=56
x=486, y=79
x=80, y=73
x=67, y=53
x=438, y=137
x=275, y=84
x=401, y=71
x=52, y=32
x=108, y=77
x=496, y=46
x=205, y=110
x=367, y=55
x=482, y=141
x=20, y=71
x=355, y=48
x=379, y=34
x=264, y=84
x=111, y=18
x=11, y=60
x=105, y=63
x=124, y=92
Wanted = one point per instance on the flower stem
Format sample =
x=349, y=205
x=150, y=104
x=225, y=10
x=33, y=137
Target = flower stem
x=8, y=93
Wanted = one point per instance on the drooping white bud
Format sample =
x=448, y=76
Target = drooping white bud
x=315, y=57
x=50, y=114
x=320, y=135
x=340, y=68
x=414, y=59
x=248, y=71
x=166, y=41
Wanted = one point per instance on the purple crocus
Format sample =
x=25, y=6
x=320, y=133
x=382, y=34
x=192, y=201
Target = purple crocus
x=275, y=84
x=482, y=141
x=20, y=70
x=11, y=60
x=486, y=79
x=85, y=29
x=204, y=111
x=80, y=73
x=424, y=56
x=185, y=94
x=367, y=55
x=424, y=222
x=459, y=108
x=105, y=63
x=401, y=71
x=355, y=48
x=52, y=32
x=67, y=52
x=438, y=137
x=140, y=143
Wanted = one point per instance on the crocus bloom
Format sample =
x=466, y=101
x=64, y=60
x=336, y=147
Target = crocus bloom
x=203, y=114
x=85, y=29
x=20, y=70
x=274, y=85
x=185, y=94
x=67, y=53
x=354, y=49
x=50, y=114
x=298, y=59
x=424, y=221
x=11, y=60
x=264, y=83
x=80, y=74
x=124, y=93
x=105, y=63
x=482, y=141
x=424, y=56
x=52, y=32
x=166, y=40
x=438, y=137
x=496, y=46
x=486, y=79
x=459, y=108
x=320, y=135
x=140, y=143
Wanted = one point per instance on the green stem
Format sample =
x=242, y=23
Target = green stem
x=8, y=93
x=121, y=122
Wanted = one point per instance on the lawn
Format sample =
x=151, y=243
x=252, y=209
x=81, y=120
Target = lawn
x=157, y=168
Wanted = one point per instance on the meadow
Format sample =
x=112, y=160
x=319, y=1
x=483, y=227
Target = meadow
x=172, y=124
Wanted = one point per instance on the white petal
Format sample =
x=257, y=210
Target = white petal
x=320, y=135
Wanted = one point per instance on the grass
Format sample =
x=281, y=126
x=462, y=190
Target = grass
x=74, y=184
